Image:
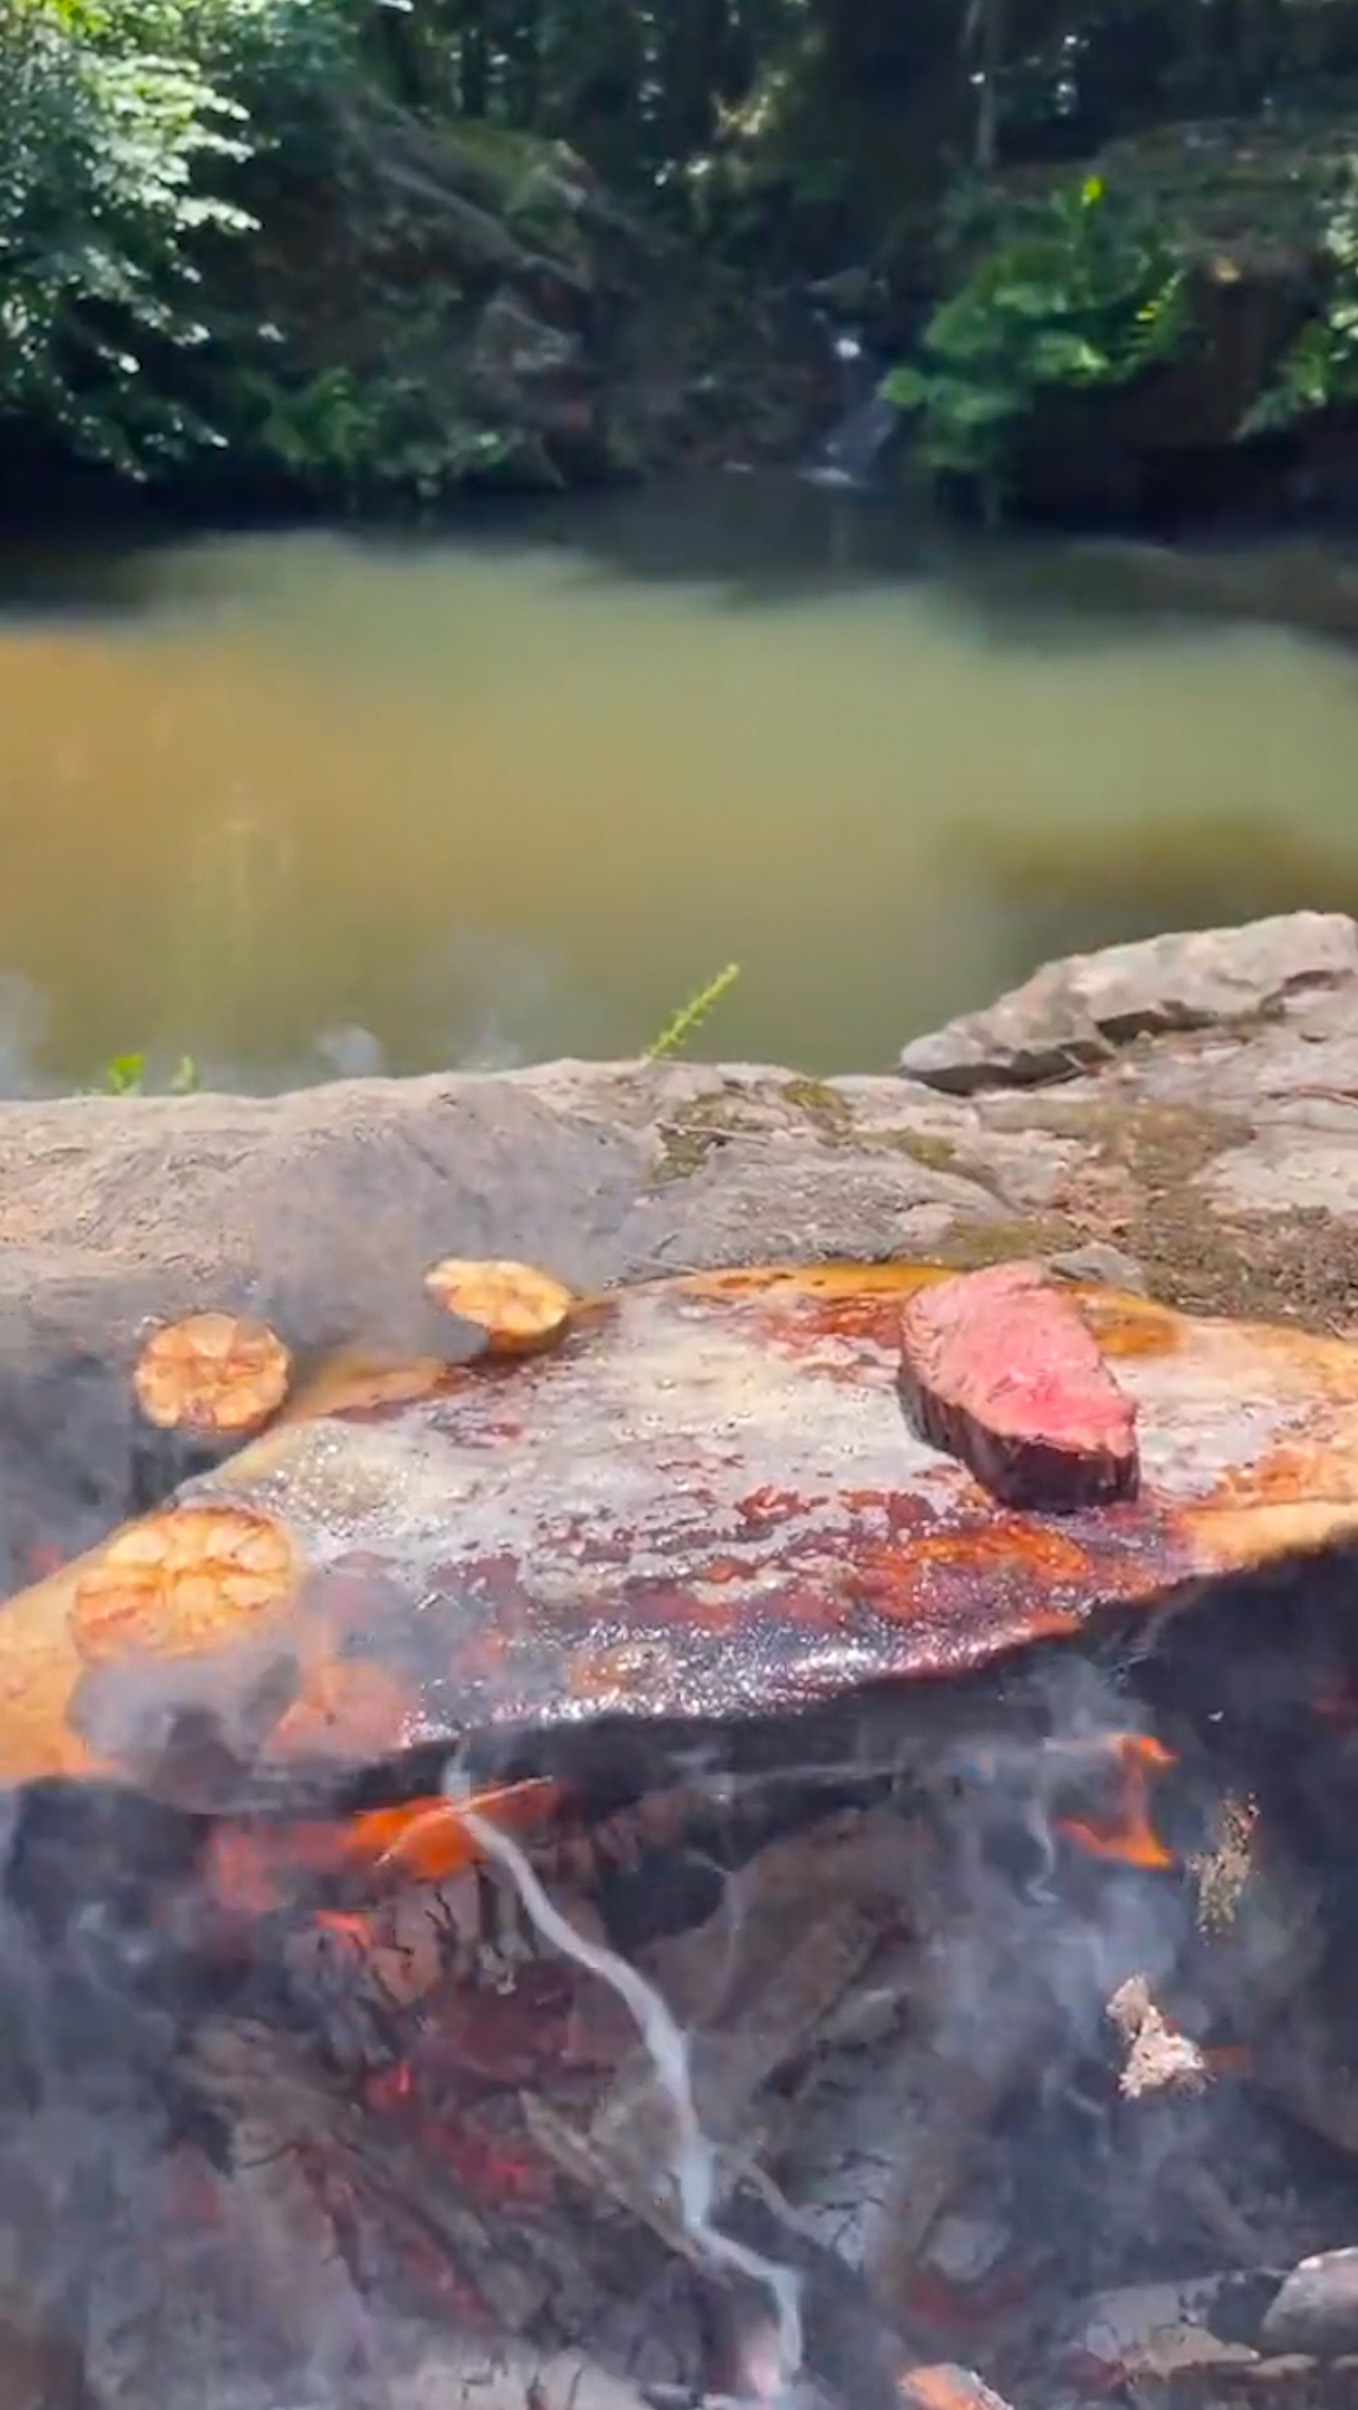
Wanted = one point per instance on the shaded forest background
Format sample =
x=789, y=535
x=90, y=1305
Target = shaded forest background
x=403, y=247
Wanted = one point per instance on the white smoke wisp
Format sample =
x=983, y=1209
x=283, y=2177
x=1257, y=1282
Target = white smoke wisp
x=693, y=2166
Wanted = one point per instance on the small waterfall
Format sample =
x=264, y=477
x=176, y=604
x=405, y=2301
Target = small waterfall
x=851, y=451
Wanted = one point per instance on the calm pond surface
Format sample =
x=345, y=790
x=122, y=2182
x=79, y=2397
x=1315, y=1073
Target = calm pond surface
x=294, y=803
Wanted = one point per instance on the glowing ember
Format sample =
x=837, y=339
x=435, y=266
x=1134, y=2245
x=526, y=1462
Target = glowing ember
x=427, y=1840
x=391, y=2087
x=519, y=1309
x=256, y=1867
x=947, y=2388
x=193, y=1578
x=212, y=1373
x=1127, y=1833
x=346, y=1925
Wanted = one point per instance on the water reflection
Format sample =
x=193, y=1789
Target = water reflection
x=293, y=804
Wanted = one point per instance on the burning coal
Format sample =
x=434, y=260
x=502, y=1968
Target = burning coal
x=1125, y=1831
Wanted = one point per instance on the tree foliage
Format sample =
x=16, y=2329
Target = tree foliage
x=1082, y=290
x=124, y=127
x=136, y=137
x=101, y=197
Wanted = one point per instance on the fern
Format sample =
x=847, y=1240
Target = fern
x=691, y=1016
x=1078, y=290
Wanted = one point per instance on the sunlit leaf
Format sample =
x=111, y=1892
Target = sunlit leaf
x=1061, y=358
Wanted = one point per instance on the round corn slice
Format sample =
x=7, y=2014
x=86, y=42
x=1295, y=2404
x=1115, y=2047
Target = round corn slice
x=214, y=1374
x=519, y=1308
x=189, y=1580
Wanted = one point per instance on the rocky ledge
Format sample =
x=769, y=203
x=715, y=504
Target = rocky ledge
x=1179, y=1116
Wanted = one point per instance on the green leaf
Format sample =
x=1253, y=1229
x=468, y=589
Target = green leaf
x=1032, y=301
x=958, y=402
x=906, y=388
x=1061, y=358
x=125, y=1074
x=1075, y=289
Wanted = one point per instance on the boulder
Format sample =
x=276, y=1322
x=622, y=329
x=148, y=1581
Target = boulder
x=461, y=290
x=1073, y=1014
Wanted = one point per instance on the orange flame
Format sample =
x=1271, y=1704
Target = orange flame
x=946, y=2387
x=1127, y=1834
x=390, y=2087
x=427, y=1841
x=253, y=1867
x=345, y=1924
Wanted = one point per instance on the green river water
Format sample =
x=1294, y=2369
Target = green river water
x=298, y=802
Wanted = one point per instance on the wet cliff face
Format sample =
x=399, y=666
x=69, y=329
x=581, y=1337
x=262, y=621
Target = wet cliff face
x=446, y=310
x=466, y=305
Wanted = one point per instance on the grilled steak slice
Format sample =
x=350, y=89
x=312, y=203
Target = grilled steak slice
x=999, y=1370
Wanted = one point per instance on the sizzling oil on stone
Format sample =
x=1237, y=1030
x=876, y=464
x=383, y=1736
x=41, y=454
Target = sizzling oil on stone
x=706, y=1502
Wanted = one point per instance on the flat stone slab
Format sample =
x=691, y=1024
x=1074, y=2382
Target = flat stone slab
x=1206, y=1153
x=704, y=1503
x=1070, y=1015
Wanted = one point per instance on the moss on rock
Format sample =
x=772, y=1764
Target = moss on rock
x=828, y=1111
x=1003, y=1239
x=690, y=1137
x=1116, y=335
x=1130, y=1177
x=434, y=309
